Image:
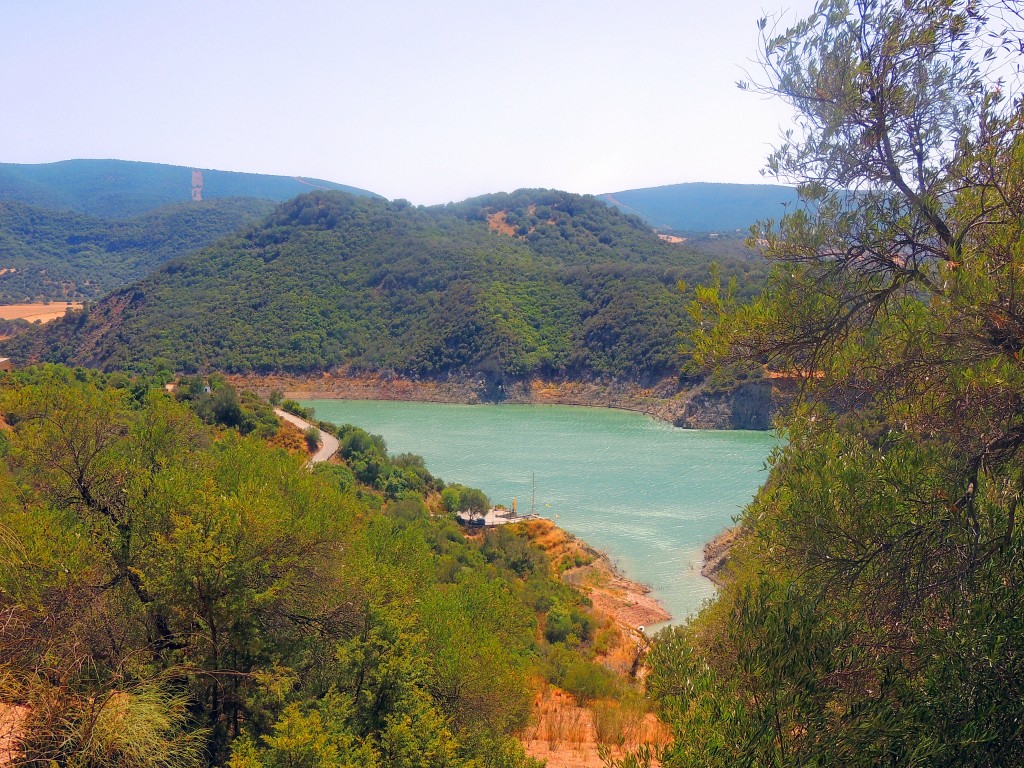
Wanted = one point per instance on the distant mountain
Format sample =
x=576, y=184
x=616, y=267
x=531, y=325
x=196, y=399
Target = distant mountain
x=703, y=207
x=535, y=282
x=122, y=188
x=65, y=255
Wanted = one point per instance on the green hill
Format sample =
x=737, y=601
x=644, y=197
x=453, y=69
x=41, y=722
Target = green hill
x=510, y=285
x=122, y=188
x=65, y=255
x=701, y=207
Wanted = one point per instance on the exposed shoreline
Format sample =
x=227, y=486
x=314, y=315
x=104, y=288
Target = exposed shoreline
x=625, y=602
x=617, y=597
x=564, y=731
x=716, y=555
x=666, y=400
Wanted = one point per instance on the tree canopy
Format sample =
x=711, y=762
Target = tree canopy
x=873, y=614
x=537, y=282
x=65, y=255
x=177, y=594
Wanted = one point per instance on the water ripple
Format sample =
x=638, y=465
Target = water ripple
x=645, y=492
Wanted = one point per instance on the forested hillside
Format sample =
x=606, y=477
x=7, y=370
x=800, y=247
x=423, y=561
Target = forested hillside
x=122, y=189
x=174, y=593
x=63, y=255
x=535, y=282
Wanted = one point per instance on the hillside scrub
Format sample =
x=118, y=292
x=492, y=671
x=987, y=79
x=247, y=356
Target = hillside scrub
x=65, y=255
x=222, y=604
x=330, y=280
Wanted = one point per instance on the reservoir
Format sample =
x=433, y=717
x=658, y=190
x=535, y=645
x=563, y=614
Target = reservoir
x=647, y=493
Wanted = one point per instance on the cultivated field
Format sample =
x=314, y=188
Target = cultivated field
x=44, y=312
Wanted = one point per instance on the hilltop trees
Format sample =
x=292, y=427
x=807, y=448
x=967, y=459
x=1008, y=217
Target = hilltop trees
x=874, y=617
x=421, y=292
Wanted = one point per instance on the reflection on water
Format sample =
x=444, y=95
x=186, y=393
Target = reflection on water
x=647, y=493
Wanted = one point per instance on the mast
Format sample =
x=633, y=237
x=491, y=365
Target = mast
x=533, y=495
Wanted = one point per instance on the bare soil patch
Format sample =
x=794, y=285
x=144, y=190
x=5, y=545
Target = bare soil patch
x=567, y=735
x=496, y=223
x=44, y=312
x=564, y=732
x=12, y=719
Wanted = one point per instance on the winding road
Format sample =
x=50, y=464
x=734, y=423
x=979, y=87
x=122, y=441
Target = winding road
x=328, y=443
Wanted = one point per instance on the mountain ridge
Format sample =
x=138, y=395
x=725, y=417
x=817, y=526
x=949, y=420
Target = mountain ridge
x=124, y=188
x=704, y=206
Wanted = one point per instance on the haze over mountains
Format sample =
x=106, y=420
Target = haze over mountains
x=704, y=207
x=120, y=189
x=75, y=230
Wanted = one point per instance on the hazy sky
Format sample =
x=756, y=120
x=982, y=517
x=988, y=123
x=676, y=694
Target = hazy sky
x=431, y=101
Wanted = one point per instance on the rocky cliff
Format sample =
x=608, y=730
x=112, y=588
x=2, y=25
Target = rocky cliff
x=750, y=406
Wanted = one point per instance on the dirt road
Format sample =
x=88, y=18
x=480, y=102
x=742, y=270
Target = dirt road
x=328, y=443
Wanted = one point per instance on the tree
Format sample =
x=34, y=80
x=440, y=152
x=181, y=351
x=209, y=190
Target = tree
x=148, y=556
x=888, y=525
x=897, y=289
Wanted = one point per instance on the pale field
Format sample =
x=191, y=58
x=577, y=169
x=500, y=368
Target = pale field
x=43, y=312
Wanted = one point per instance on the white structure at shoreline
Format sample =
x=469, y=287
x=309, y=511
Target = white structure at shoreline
x=493, y=517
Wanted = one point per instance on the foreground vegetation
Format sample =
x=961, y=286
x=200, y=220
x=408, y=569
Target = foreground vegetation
x=874, y=615
x=174, y=593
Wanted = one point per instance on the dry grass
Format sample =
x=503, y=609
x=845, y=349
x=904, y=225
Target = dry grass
x=563, y=549
x=44, y=312
x=619, y=723
x=567, y=735
x=290, y=438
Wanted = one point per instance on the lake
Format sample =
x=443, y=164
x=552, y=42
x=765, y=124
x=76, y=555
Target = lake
x=647, y=493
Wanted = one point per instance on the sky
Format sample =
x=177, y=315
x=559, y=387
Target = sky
x=427, y=101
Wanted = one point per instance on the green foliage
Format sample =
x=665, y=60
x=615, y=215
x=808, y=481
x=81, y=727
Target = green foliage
x=396, y=477
x=312, y=437
x=175, y=595
x=61, y=255
x=425, y=292
x=306, y=739
x=567, y=624
x=584, y=679
x=871, y=618
x=295, y=408
x=460, y=498
x=217, y=402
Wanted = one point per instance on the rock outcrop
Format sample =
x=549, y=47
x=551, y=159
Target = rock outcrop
x=751, y=406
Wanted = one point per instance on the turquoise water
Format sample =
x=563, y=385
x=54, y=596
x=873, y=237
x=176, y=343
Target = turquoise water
x=647, y=493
